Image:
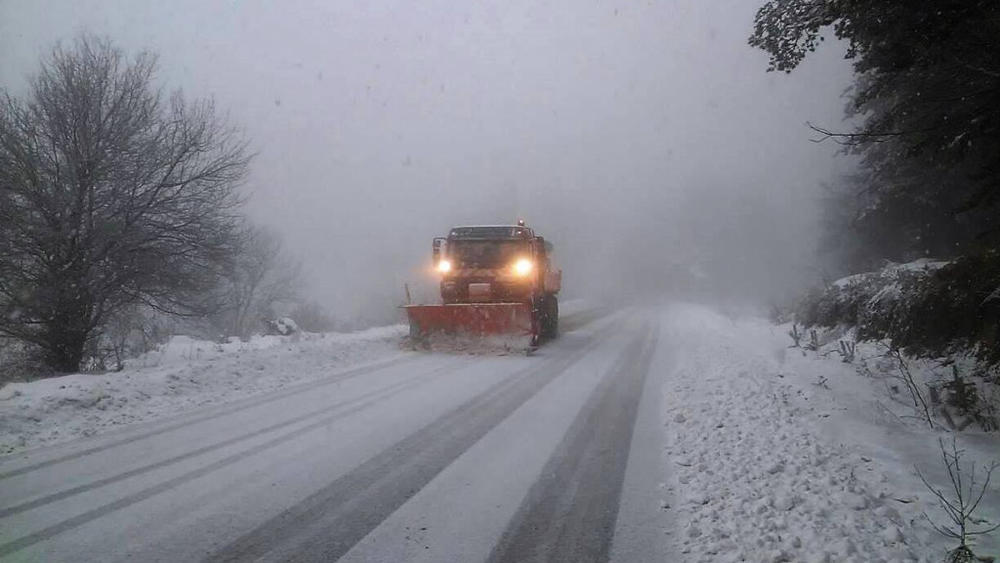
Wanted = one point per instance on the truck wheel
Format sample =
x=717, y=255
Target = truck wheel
x=549, y=317
x=554, y=317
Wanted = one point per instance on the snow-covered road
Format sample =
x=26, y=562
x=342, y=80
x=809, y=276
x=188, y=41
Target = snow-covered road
x=665, y=434
x=421, y=457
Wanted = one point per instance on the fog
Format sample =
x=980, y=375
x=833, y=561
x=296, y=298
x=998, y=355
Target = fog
x=644, y=140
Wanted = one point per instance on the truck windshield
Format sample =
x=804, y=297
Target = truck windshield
x=485, y=253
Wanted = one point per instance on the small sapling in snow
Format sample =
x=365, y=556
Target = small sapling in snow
x=961, y=393
x=906, y=376
x=961, y=502
x=796, y=336
x=813, y=341
x=847, y=348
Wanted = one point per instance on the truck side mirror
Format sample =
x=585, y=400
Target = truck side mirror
x=541, y=245
x=436, y=250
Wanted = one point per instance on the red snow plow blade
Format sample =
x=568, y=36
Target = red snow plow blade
x=473, y=319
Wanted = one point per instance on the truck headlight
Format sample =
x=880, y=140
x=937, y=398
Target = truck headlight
x=444, y=266
x=523, y=267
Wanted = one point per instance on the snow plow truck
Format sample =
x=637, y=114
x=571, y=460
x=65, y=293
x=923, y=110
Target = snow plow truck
x=496, y=280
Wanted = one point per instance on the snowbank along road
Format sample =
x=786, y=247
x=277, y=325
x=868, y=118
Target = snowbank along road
x=418, y=457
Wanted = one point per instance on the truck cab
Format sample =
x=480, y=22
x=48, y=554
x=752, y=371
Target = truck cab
x=495, y=264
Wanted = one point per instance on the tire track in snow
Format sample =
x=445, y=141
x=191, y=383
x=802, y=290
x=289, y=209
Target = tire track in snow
x=216, y=413
x=580, y=319
x=81, y=519
x=328, y=523
x=573, y=320
x=380, y=392
x=570, y=512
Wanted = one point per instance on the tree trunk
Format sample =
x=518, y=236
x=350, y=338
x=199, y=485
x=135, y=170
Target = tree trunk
x=68, y=326
x=65, y=348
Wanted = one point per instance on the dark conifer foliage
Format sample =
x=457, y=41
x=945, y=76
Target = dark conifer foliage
x=927, y=100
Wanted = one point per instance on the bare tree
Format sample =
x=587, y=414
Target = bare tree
x=261, y=275
x=111, y=194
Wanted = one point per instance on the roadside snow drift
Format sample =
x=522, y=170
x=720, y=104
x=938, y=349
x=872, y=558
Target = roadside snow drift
x=182, y=375
x=773, y=454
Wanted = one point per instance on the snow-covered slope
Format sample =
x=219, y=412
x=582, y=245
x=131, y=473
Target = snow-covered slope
x=182, y=375
x=776, y=454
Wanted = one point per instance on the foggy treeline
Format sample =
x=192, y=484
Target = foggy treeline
x=925, y=98
x=646, y=142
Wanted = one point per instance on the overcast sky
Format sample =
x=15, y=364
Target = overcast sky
x=644, y=139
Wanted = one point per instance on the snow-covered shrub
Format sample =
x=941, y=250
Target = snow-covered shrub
x=127, y=334
x=928, y=308
x=958, y=306
x=284, y=326
x=837, y=304
x=20, y=361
